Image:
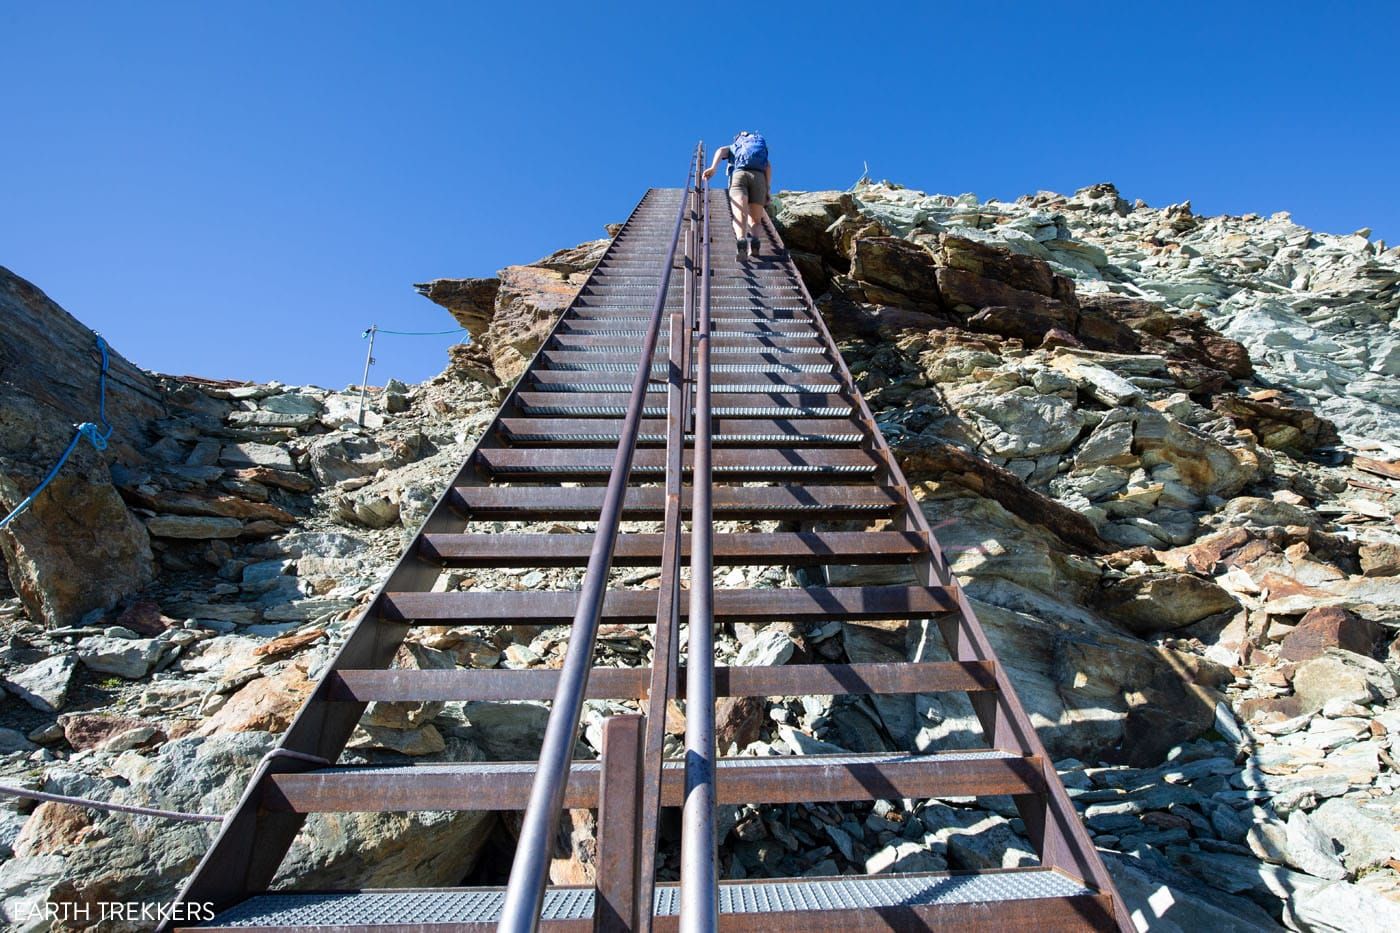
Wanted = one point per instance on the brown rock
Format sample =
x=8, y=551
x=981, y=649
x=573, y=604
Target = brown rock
x=1033, y=325
x=1330, y=627
x=287, y=644
x=266, y=704
x=471, y=301
x=1207, y=554
x=1102, y=331
x=1206, y=358
x=896, y=264
x=921, y=457
x=804, y=219
x=1161, y=601
x=271, y=476
x=999, y=265
x=51, y=828
x=1380, y=559
x=169, y=502
x=76, y=548
x=86, y=730
x=1276, y=421
x=145, y=618
x=739, y=720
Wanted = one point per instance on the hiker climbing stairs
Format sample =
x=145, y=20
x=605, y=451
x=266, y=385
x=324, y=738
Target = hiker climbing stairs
x=689, y=411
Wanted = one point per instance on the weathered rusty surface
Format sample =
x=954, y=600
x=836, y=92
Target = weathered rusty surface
x=792, y=441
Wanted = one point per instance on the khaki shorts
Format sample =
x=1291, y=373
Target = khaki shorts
x=753, y=184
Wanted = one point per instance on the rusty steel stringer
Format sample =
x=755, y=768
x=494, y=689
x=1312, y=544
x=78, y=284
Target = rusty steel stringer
x=749, y=398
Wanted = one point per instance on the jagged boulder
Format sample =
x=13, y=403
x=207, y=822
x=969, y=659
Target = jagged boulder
x=76, y=548
x=510, y=314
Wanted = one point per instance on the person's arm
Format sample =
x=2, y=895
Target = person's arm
x=721, y=154
x=768, y=177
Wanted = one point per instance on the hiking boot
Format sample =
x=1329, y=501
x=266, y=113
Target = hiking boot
x=753, y=246
x=741, y=246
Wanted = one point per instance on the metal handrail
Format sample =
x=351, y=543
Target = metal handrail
x=699, y=868
x=529, y=872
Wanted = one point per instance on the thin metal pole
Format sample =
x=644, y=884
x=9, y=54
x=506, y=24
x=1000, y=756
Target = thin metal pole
x=699, y=868
x=364, y=380
x=529, y=871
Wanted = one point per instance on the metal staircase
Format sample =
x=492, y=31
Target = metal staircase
x=683, y=386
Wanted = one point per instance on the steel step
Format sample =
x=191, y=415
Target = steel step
x=750, y=548
x=760, y=362
x=718, y=342
x=547, y=503
x=614, y=405
x=994, y=901
x=588, y=432
x=638, y=607
x=583, y=463
x=505, y=785
x=630, y=327
x=722, y=382
x=616, y=683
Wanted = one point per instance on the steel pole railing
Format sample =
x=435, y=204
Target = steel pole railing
x=529, y=873
x=699, y=868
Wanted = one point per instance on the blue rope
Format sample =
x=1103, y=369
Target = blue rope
x=97, y=436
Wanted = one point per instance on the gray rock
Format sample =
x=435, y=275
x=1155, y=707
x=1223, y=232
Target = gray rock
x=291, y=403
x=44, y=685
x=1342, y=675
x=768, y=648
x=506, y=731
x=194, y=527
x=1162, y=902
x=268, y=455
x=904, y=857
x=10, y=825
x=270, y=419
x=129, y=658
x=1021, y=423
x=1310, y=849
x=76, y=548
x=1366, y=831
x=12, y=740
x=1343, y=908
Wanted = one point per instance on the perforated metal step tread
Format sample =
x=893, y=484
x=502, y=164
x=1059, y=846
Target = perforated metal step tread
x=410, y=908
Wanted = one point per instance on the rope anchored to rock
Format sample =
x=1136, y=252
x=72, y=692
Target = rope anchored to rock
x=263, y=763
x=105, y=805
x=97, y=436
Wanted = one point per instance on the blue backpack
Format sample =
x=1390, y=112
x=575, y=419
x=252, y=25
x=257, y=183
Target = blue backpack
x=750, y=152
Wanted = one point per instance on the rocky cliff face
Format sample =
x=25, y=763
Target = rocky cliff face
x=1178, y=531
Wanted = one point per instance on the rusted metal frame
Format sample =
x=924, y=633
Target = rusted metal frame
x=505, y=785
x=755, y=548
x=647, y=503
x=549, y=430
x=609, y=405
x=665, y=644
x=637, y=607
x=763, y=342
x=619, y=827
x=562, y=380
x=584, y=463
x=251, y=844
x=530, y=868
x=631, y=683
x=1051, y=820
x=699, y=844
x=663, y=680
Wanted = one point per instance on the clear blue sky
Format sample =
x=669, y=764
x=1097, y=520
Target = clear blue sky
x=238, y=189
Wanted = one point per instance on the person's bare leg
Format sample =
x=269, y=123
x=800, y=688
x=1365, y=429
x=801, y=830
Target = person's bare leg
x=755, y=218
x=739, y=206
